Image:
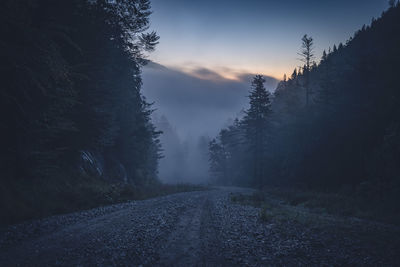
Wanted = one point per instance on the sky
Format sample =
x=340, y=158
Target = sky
x=200, y=73
x=232, y=37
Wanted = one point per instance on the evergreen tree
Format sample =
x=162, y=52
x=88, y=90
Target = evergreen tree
x=324, y=56
x=217, y=160
x=255, y=125
x=347, y=137
x=79, y=89
x=307, y=57
x=294, y=74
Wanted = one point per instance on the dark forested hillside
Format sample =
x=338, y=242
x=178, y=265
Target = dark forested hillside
x=71, y=106
x=345, y=138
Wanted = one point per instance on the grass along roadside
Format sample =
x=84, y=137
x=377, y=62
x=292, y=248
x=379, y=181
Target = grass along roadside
x=313, y=233
x=305, y=206
x=42, y=198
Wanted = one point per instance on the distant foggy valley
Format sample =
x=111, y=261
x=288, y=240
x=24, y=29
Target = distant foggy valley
x=190, y=108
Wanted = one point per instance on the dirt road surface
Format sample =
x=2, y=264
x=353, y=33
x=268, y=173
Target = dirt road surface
x=202, y=228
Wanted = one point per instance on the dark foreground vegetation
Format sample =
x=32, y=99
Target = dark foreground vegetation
x=43, y=198
x=75, y=129
x=331, y=127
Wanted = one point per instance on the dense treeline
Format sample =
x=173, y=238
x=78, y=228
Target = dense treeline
x=70, y=99
x=331, y=126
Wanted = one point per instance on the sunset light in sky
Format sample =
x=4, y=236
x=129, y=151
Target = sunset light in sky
x=254, y=36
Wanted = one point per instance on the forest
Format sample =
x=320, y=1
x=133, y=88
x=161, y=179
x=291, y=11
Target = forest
x=331, y=126
x=72, y=111
x=75, y=123
x=156, y=133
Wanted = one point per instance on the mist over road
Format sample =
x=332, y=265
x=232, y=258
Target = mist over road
x=187, y=229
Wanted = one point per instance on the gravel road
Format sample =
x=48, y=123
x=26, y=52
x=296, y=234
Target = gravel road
x=202, y=228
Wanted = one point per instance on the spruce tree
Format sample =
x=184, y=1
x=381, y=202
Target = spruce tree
x=255, y=124
x=307, y=57
x=217, y=160
x=294, y=74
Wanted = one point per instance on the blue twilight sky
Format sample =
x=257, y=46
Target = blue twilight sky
x=252, y=36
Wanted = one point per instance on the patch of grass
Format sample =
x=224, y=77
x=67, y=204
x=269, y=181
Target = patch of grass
x=256, y=199
x=329, y=203
x=265, y=214
x=269, y=210
x=316, y=203
x=273, y=210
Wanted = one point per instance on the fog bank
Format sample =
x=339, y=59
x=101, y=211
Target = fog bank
x=191, y=108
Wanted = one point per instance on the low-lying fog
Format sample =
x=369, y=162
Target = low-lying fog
x=190, y=110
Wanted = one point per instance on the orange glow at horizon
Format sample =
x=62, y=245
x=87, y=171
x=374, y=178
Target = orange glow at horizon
x=224, y=73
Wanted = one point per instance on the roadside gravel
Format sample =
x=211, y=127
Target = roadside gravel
x=194, y=229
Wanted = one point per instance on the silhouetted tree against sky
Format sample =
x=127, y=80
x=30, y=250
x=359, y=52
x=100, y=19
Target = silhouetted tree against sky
x=294, y=74
x=324, y=56
x=307, y=57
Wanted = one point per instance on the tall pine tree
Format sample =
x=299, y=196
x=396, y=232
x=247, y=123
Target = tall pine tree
x=255, y=124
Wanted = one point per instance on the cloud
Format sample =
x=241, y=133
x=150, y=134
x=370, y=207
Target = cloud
x=206, y=74
x=270, y=82
x=199, y=102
